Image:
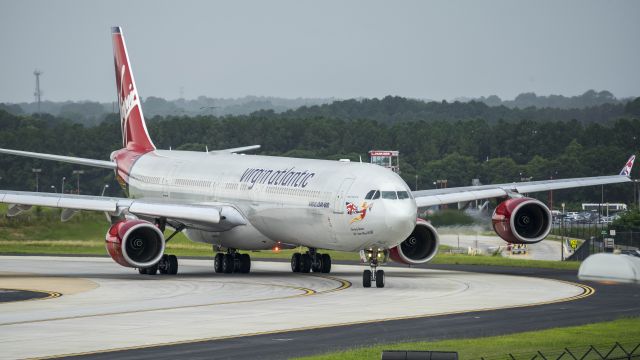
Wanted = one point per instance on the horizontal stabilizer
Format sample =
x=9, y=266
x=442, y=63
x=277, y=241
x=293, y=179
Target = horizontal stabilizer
x=236, y=150
x=68, y=159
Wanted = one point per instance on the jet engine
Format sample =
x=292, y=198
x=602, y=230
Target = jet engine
x=420, y=247
x=135, y=243
x=522, y=220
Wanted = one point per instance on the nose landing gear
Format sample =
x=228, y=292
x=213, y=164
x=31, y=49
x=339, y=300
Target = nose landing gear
x=374, y=257
x=311, y=261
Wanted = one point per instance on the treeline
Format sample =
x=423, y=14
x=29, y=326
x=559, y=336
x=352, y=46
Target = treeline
x=458, y=151
x=589, y=107
x=390, y=110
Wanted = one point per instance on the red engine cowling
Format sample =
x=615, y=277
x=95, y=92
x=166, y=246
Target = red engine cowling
x=420, y=247
x=135, y=243
x=522, y=220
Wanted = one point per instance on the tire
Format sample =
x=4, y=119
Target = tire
x=295, y=262
x=316, y=266
x=245, y=263
x=217, y=262
x=227, y=264
x=162, y=265
x=366, y=278
x=305, y=263
x=142, y=271
x=326, y=263
x=172, y=260
x=380, y=278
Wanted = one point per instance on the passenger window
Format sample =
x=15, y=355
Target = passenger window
x=376, y=195
x=403, y=195
x=369, y=195
x=389, y=195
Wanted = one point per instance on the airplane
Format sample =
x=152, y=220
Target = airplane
x=250, y=202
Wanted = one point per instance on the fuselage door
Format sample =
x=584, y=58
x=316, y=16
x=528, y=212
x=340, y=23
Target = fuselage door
x=340, y=196
x=169, y=179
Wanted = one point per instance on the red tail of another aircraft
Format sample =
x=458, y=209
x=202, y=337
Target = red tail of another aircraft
x=135, y=136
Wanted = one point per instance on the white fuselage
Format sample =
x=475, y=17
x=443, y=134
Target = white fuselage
x=314, y=203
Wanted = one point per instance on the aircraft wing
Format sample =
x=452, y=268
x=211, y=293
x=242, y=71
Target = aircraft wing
x=213, y=214
x=426, y=198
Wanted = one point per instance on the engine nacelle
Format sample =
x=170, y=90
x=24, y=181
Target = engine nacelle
x=135, y=243
x=420, y=247
x=522, y=220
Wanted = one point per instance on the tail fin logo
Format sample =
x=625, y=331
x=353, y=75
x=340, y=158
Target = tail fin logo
x=134, y=130
x=127, y=103
x=626, y=170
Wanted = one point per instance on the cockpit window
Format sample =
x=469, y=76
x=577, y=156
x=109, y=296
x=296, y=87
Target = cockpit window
x=389, y=195
x=403, y=195
x=376, y=195
x=369, y=195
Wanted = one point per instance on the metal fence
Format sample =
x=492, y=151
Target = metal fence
x=617, y=352
x=597, y=238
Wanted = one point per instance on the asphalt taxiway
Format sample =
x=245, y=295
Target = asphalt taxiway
x=273, y=313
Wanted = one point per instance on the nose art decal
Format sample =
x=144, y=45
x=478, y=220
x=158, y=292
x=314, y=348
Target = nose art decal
x=361, y=212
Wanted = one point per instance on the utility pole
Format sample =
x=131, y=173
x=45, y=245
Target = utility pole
x=78, y=172
x=62, y=186
x=37, y=172
x=38, y=93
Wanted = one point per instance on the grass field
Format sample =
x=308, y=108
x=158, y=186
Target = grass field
x=40, y=231
x=522, y=345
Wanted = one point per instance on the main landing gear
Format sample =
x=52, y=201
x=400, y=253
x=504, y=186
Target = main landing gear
x=311, y=261
x=167, y=265
x=373, y=275
x=232, y=262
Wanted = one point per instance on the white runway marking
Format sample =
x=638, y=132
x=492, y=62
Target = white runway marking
x=126, y=310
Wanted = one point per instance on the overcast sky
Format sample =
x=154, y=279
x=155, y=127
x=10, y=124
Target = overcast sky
x=421, y=49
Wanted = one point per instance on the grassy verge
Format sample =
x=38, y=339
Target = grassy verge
x=522, y=345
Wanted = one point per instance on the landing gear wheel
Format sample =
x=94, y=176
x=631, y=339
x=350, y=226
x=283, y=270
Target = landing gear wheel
x=295, y=262
x=326, y=263
x=380, y=278
x=245, y=263
x=227, y=263
x=217, y=262
x=305, y=263
x=366, y=278
x=142, y=271
x=172, y=265
x=316, y=265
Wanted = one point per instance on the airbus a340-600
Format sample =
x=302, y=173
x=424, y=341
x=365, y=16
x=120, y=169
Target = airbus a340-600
x=255, y=202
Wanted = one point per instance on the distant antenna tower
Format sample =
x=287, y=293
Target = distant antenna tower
x=38, y=93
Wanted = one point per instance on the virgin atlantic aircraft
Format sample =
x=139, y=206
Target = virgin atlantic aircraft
x=255, y=202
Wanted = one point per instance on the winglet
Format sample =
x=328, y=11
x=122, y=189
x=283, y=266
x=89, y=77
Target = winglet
x=626, y=170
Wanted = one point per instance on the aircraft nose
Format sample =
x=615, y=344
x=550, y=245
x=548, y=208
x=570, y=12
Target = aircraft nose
x=401, y=217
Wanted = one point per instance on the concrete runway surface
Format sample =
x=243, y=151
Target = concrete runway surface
x=101, y=306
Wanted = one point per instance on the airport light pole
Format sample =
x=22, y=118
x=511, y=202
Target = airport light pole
x=104, y=188
x=37, y=172
x=78, y=172
x=416, y=187
x=563, y=234
x=62, y=186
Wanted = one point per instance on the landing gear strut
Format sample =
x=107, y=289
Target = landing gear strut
x=374, y=275
x=311, y=261
x=232, y=262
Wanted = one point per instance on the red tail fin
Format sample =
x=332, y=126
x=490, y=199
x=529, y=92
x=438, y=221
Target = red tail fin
x=134, y=130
